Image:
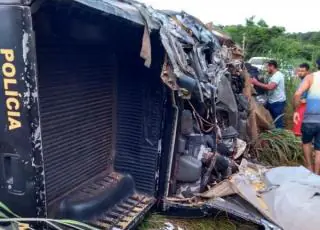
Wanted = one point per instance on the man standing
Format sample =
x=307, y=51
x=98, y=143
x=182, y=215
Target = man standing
x=276, y=92
x=303, y=71
x=311, y=120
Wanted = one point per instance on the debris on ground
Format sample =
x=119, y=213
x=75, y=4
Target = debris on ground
x=287, y=196
x=170, y=226
x=157, y=222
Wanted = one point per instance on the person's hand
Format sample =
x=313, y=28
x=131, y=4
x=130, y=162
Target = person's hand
x=296, y=118
x=254, y=81
x=207, y=156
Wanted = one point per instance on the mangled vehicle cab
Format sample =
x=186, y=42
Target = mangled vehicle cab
x=111, y=108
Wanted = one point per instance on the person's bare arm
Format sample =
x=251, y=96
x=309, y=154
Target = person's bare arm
x=303, y=101
x=303, y=88
x=270, y=86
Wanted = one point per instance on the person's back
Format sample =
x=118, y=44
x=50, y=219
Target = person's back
x=311, y=122
x=312, y=113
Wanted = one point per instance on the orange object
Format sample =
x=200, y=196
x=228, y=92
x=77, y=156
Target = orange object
x=297, y=127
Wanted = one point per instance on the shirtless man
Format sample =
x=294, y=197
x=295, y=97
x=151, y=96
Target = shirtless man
x=311, y=121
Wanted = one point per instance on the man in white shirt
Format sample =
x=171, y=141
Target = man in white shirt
x=276, y=92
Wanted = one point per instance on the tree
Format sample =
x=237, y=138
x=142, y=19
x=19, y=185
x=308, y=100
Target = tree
x=262, y=39
x=258, y=35
x=262, y=23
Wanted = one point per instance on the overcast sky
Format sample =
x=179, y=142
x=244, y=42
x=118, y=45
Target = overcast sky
x=298, y=16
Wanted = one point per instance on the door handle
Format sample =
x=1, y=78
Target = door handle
x=13, y=173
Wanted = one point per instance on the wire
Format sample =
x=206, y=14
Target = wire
x=199, y=116
x=200, y=120
x=202, y=126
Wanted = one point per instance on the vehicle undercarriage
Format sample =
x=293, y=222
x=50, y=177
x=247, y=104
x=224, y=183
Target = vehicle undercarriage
x=132, y=108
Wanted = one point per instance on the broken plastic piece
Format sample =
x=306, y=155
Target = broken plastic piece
x=189, y=169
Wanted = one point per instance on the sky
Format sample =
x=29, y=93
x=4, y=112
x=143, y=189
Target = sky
x=295, y=16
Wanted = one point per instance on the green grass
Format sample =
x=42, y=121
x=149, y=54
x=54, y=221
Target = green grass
x=291, y=87
x=156, y=222
x=279, y=148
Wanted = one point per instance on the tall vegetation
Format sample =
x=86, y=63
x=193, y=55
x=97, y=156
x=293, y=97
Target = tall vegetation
x=291, y=87
x=289, y=49
x=260, y=39
x=278, y=148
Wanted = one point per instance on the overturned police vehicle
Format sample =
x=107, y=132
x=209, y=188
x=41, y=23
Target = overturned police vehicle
x=110, y=108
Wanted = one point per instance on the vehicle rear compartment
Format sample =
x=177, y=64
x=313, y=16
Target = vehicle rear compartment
x=101, y=115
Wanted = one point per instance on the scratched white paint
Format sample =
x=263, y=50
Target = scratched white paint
x=25, y=47
x=34, y=94
x=37, y=134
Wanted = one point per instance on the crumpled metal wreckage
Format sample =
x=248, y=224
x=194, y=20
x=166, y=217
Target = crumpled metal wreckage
x=286, y=196
x=206, y=67
x=211, y=98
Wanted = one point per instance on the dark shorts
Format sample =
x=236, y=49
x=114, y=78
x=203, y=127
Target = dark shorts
x=311, y=132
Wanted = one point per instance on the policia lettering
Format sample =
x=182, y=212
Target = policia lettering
x=8, y=71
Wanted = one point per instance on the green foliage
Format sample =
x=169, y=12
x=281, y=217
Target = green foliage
x=261, y=39
x=291, y=87
x=157, y=222
x=279, y=147
x=310, y=37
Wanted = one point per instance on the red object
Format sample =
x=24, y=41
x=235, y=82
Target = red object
x=297, y=127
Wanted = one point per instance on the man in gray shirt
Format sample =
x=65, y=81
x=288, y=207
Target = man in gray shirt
x=276, y=92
